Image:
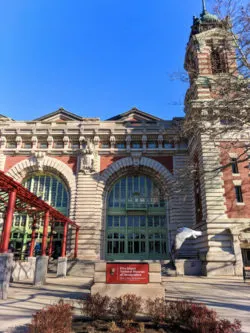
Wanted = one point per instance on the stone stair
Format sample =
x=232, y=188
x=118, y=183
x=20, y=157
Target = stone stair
x=88, y=216
x=81, y=268
x=76, y=267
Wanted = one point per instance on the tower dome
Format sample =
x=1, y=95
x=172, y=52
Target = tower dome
x=206, y=16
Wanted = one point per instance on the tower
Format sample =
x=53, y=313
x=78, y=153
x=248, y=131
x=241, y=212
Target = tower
x=211, y=65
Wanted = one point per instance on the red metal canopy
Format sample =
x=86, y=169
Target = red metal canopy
x=15, y=197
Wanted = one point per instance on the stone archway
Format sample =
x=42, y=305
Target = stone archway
x=41, y=162
x=122, y=167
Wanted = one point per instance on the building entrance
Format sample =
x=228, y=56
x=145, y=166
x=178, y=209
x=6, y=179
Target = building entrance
x=136, y=226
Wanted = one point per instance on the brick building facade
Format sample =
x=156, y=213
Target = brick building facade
x=122, y=180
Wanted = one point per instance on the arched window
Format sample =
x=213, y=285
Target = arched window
x=51, y=189
x=218, y=62
x=136, y=226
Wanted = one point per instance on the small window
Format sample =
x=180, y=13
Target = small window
x=104, y=145
x=75, y=145
x=59, y=144
x=43, y=145
x=136, y=145
x=234, y=164
x=120, y=145
x=27, y=145
x=152, y=144
x=11, y=145
x=168, y=145
x=238, y=192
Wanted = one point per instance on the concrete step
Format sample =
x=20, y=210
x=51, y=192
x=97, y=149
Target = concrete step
x=81, y=268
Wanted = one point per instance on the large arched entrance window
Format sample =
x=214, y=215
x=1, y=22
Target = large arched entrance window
x=136, y=225
x=51, y=189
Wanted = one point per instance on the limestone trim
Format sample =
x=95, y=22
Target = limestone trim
x=120, y=168
x=137, y=162
x=20, y=170
x=235, y=231
x=237, y=182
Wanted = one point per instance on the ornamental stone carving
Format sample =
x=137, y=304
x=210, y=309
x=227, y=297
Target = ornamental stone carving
x=50, y=141
x=39, y=157
x=128, y=142
x=34, y=141
x=3, y=141
x=112, y=141
x=160, y=141
x=66, y=142
x=87, y=158
x=136, y=157
x=19, y=142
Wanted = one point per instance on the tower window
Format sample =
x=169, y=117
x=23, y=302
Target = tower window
x=234, y=164
x=238, y=192
x=218, y=62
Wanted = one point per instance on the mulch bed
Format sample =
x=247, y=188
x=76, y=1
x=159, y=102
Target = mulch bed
x=83, y=325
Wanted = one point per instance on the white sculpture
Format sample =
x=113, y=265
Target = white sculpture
x=87, y=159
x=182, y=234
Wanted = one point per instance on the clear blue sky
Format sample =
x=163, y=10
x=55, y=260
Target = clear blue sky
x=95, y=58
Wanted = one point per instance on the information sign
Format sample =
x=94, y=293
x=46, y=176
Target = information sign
x=127, y=273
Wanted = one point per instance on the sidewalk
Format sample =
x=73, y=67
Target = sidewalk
x=230, y=297
x=24, y=299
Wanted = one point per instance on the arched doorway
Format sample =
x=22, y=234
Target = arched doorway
x=51, y=189
x=137, y=220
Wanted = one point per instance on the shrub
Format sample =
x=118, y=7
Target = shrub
x=52, y=319
x=156, y=309
x=125, y=307
x=199, y=319
x=195, y=317
x=95, y=306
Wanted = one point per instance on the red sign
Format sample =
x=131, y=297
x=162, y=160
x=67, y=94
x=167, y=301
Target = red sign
x=127, y=273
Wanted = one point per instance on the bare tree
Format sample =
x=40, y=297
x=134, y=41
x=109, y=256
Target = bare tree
x=227, y=110
x=225, y=116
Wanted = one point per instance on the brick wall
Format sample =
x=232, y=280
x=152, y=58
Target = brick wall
x=12, y=160
x=167, y=161
x=235, y=210
x=71, y=161
x=106, y=161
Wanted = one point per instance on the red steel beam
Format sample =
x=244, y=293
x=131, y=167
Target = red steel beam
x=45, y=233
x=8, y=184
x=76, y=243
x=65, y=231
x=33, y=237
x=8, y=221
x=51, y=240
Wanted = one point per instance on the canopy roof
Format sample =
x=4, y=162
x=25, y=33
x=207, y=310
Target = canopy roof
x=28, y=202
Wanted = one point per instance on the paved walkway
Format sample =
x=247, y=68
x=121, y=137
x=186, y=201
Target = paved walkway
x=231, y=297
x=24, y=299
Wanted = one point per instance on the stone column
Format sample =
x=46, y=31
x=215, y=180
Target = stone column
x=6, y=264
x=62, y=267
x=41, y=270
x=238, y=256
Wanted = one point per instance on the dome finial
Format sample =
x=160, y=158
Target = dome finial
x=204, y=9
